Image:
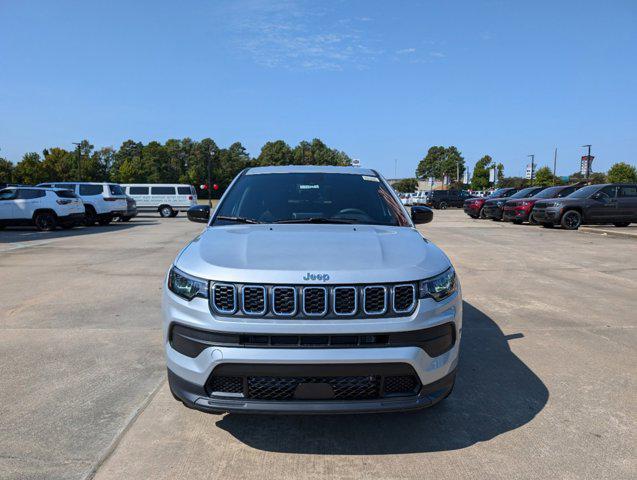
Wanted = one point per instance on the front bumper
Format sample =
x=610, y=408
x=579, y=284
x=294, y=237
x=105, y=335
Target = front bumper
x=547, y=215
x=189, y=375
x=515, y=214
x=492, y=211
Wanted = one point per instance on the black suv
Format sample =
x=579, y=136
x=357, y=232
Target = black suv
x=614, y=203
x=447, y=198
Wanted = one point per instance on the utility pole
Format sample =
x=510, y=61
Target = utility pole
x=210, y=179
x=532, y=167
x=79, y=161
x=555, y=167
x=588, y=161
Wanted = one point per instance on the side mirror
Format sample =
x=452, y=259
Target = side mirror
x=421, y=215
x=199, y=213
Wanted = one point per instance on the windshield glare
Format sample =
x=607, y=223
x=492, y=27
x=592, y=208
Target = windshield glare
x=498, y=193
x=585, y=192
x=549, y=192
x=289, y=197
x=525, y=192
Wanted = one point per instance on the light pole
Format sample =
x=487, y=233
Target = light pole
x=532, y=167
x=555, y=167
x=79, y=163
x=210, y=179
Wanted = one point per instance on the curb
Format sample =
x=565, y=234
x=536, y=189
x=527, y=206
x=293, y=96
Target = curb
x=609, y=233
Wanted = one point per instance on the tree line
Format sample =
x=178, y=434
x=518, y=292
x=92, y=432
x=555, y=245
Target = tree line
x=175, y=161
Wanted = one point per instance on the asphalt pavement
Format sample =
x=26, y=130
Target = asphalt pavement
x=546, y=386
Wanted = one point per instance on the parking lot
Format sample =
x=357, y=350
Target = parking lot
x=546, y=385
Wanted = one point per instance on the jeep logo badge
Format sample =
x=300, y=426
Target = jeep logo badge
x=321, y=277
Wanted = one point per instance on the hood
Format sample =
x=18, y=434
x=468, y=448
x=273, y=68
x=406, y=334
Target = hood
x=286, y=254
x=518, y=201
x=563, y=200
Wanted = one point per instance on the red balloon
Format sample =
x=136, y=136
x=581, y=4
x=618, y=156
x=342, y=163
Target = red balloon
x=215, y=186
x=204, y=187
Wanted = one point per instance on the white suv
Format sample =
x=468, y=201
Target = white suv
x=311, y=291
x=103, y=201
x=46, y=208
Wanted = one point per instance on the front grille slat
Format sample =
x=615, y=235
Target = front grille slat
x=404, y=298
x=315, y=301
x=344, y=300
x=284, y=301
x=224, y=297
x=254, y=299
x=375, y=300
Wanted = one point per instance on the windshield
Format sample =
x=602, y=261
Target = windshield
x=526, y=192
x=310, y=197
x=498, y=193
x=585, y=192
x=549, y=192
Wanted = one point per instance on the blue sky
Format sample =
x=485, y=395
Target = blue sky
x=381, y=80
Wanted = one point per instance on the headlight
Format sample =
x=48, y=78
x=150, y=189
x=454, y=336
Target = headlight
x=556, y=204
x=186, y=286
x=440, y=286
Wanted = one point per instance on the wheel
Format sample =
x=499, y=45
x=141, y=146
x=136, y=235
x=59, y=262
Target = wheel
x=45, y=222
x=571, y=220
x=621, y=224
x=105, y=221
x=474, y=216
x=174, y=214
x=90, y=217
x=532, y=219
x=442, y=205
x=165, y=211
x=547, y=225
x=482, y=214
x=124, y=219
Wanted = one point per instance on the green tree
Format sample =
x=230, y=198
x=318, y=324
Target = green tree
x=441, y=161
x=597, y=177
x=516, y=182
x=275, y=153
x=544, y=178
x=406, y=185
x=480, y=179
x=29, y=170
x=317, y=153
x=622, y=172
x=6, y=170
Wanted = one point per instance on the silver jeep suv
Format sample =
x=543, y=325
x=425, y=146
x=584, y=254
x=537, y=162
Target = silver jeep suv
x=310, y=291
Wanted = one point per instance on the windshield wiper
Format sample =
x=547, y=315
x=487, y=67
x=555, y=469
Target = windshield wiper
x=318, y=220
x=236, y=219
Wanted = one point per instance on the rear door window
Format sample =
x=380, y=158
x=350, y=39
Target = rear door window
x=91, y=190
x=138, y=190
x=162, y=190
x=30, y=194
x=628, y=191
x=116, y=190
x=7, y=194
x=184, y=191
x=65, y=194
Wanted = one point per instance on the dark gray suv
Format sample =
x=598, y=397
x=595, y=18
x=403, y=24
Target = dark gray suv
x=614, y=203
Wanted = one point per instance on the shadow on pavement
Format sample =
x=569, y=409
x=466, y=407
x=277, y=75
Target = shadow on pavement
x=27, y=234
x=495, y=392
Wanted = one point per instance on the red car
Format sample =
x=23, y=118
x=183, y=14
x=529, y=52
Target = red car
x=473, y=206
x=519, y=210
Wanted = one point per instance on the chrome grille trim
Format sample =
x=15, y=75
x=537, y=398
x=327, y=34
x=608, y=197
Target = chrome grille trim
x=413, y=297
x=265, y=300
x=291, y=314
x=325, y=301
x=336, y=289
x=234, y=297
x=379, y=312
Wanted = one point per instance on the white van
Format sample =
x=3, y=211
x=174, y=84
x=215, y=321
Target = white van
x=166, y=198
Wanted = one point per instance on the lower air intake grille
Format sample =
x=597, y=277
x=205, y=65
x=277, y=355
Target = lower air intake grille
x=401, y=384
x=285, y=388
x=226, y=384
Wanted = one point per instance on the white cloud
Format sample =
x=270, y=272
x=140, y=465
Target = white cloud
x=406, y=50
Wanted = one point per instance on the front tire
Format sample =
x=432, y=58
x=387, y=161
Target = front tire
x=482, y=215
x=547, y=225
x=90, y=217
x=442, y=205
x=165, y=212
x=621, y=224
x=124, y=219
x=532, y=219
x=174, y=214
x=571, y=220
x=45, y=222
x=105, y=221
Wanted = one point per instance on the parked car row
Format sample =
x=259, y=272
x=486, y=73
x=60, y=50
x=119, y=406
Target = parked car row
x=439, y=199
x=69, y=204
x=569, y=206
